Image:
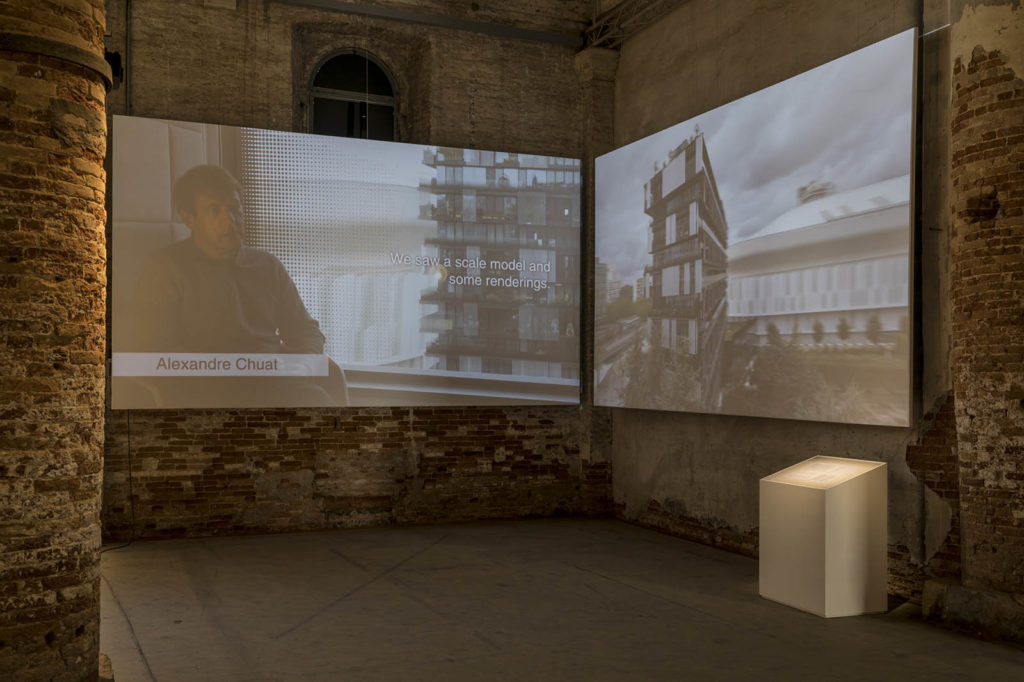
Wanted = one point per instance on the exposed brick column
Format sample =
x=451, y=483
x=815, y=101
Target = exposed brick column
x=987, y=287
x=595, y=70
x=52, y=312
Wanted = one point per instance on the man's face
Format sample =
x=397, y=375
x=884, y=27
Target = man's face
x=216, y=224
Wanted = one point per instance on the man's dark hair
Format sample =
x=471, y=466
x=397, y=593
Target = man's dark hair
x=206, y=178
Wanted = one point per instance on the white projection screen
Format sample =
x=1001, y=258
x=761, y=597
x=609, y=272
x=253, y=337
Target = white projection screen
x=256, y=268
x=756, y=259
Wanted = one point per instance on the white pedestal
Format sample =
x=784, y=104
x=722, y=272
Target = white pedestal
x=823, y=533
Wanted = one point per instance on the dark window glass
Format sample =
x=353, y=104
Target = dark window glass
x=353, y=97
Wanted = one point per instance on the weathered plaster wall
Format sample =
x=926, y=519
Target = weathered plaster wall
x=698, y=474
x=988, y=290
x=223, y=471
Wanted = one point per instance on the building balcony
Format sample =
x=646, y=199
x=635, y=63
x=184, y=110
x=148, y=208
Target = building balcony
x=563, y=351
x=455, y=157
x=435, y=323
x=682, y=306
x=684, y=251
x=440, y=214
x=506, y=298
x=512, y=243
x=387, y=386
x=501, y=189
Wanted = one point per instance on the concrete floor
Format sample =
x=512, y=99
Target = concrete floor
x=534, y=600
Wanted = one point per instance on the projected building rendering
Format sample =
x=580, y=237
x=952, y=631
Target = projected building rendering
x=687, y=237
x=798, y=305
x=512, y=218
x=857, y=297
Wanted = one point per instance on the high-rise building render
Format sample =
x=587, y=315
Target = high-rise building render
x=613, y=287
x=687, y=239
x=514, y=217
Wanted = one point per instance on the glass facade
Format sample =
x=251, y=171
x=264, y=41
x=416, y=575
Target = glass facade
x=510, y=225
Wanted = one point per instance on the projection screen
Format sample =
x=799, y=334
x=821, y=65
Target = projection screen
x=257, y=268
x=755, y=260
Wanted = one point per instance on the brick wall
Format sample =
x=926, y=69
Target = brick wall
x=206, y=472
x=933, y=459
x=52, y=291
x=672, y=517
x=988, y=316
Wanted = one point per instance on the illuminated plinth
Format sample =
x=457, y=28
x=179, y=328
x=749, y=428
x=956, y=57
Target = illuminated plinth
x=823, y=536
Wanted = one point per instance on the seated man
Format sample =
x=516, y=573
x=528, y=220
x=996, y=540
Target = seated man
x=210, y=293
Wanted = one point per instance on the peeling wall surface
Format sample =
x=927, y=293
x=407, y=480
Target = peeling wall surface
x=698, y=474
x=987, y=151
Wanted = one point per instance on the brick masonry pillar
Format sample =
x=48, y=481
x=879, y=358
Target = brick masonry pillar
x=987, y=288
x=595, y=71
x=52, y=330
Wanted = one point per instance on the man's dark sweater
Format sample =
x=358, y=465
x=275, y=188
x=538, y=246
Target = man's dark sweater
x=188, y=302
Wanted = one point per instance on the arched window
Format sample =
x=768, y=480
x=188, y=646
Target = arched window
x=352, y=96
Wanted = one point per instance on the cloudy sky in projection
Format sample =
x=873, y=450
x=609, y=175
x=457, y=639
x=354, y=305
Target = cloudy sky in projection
x=848, y=122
